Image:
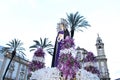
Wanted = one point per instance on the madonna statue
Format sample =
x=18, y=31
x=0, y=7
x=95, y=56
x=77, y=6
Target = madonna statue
x=62, y=33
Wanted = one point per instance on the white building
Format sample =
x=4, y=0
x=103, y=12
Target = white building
x=18, y=69
x=101, y=59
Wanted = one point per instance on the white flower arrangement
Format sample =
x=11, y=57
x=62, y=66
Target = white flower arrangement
x=54, y=74
x=46, y=74
x=85, y=75
x=41, y=59
x=68, y=51
x=88, y=64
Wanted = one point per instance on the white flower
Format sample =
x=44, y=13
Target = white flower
x=88, y=64
x=46, y=74
x=68, y=51
x=41, y=59
x=85, y=75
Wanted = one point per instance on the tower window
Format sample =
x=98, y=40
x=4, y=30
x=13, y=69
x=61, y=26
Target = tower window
x=99, y=47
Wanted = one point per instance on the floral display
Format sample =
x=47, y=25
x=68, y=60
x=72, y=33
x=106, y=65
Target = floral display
x=55, y=74
x=35, y=65
x=82, y=74
x=69, y=51
x=67, y=64
x=92, y=69
x=38, y=61
x=68, y=68
x=39, y=53
x=90, y=57
x=46, y=74
x=67, y=43
x=89, y=60
x=41, y=59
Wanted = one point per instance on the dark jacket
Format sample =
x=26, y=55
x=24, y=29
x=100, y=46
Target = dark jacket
x=66, y=33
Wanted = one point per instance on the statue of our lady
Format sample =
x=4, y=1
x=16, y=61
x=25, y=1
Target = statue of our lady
x=61, y=35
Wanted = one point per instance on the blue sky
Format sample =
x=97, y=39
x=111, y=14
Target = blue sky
x=29, y=20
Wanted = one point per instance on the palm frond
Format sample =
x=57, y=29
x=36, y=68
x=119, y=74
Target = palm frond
x=20, y=49
x=9, y=45
x=49, y=45
x=70, y=19
x=32, y=50
x=5, y=50
x=14, y=45
x=22, y=53
x=43, y=43
x=76, y=21
x=34, y=46
x=50, y=51
x=84, y=23
x=37, y=42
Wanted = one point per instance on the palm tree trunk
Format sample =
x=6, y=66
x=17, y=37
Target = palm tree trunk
x=13, y=54
x=72, y=33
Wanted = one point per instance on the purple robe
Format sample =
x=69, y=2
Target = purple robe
x=57, y=48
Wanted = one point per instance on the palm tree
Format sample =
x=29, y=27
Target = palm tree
x=75, y=21
x=44, y=44
x=14, y=47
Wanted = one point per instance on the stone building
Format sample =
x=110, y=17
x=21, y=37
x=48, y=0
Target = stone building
x=18, y=69
x=102, y=60
x=101, y=63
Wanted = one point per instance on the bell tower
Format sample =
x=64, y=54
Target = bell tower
x=102, y=60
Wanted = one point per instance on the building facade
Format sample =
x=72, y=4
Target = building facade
x=18, y=69
x=101, y=63
x=102, y=60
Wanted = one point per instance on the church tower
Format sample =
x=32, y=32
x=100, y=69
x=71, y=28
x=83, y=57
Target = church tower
x=102, y=60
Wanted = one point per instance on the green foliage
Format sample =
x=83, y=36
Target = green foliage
x=76, y=21
x=14, y=45
x=44, y=44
